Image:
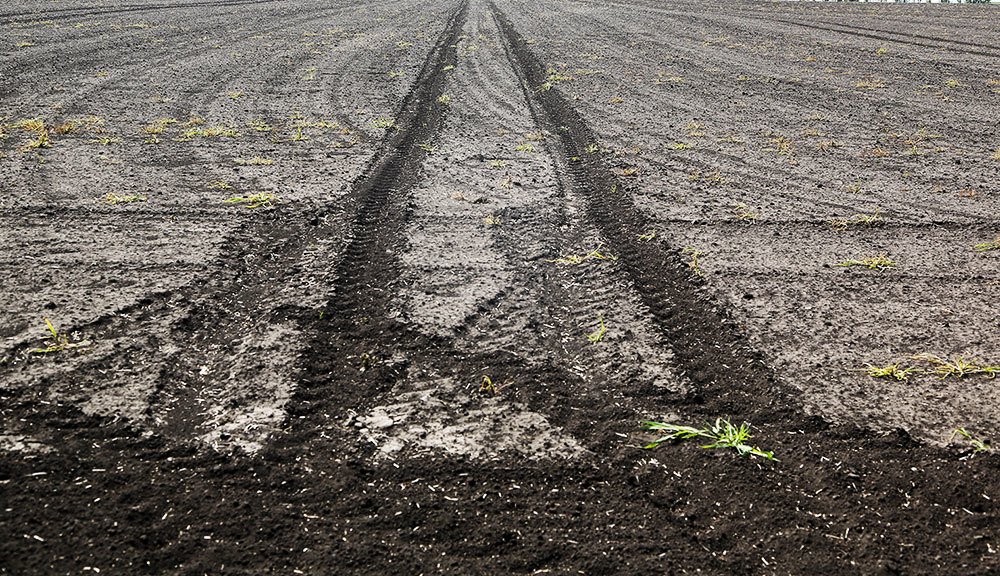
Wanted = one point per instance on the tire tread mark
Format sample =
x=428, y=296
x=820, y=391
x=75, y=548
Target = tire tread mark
x=712, y=352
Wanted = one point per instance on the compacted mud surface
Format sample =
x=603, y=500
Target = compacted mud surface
x=387, y=288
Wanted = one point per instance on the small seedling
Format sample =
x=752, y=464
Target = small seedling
x=113, y=199
x=987, y=246
x=254, y=200
x=255, y=161
x=647, y=236
x=498, y=164
x=723, y=435
x=58, y=342
x=592, y=255
x=426, y=147
x=592, y=148
x=596, y=337
x=487, y=385
x=105, y=140
x=745, y=213
x=890, y=371
x=386, y=124
x=694, y=264
x=855, y=188
x=977, y=444
x=219, y=185
x=42, y=141
x=526, y=147
x=841, y=224
x=880, y=262
x=491, y=220
x=956, y=368
x=260, y=126
x=444, y=99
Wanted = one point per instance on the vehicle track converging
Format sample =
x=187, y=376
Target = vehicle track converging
x=487, y=240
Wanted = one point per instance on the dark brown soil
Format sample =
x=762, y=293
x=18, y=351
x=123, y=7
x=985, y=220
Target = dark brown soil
x=298, y=387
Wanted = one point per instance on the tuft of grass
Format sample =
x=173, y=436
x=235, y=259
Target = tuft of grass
x=114, y=199
x=977, y=444
x=880, y=262
x=870, y=84
x=255, y=161
x=526, y=147
x=41, y=141
x=491, y=220
x=210, y=132
x=597, y=335
x=58, y=342
x=259, y=125
x=957, y=368
x=487, y=385
x=694, y=264
x=987, y=246
x=444, y=99
x=745, y=213
x=855, y=188
x=254, y=200
x=890, y=371
x=841, y=224
x=722, y=434
x=299, y=136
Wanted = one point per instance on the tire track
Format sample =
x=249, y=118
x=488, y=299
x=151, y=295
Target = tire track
x=727, y=374
x=253, y=297
x=356, y=324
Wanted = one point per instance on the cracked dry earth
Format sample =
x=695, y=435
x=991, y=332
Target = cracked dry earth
x=324, y=275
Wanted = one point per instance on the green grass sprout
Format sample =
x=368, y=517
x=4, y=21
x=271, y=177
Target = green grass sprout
x=596, y=337
x=723, y=434
x=58, y=342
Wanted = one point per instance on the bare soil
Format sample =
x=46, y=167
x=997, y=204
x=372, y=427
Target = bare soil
x=381, y=364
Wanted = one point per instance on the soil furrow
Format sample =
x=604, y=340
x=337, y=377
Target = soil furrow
x=700, y=332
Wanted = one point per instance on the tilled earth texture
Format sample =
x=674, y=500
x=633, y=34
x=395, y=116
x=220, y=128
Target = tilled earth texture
x=350, y=287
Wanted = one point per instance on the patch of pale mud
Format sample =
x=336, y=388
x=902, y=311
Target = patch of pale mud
x=443, y=418
x=250, y=404
x=457, y=268
x=22, y=443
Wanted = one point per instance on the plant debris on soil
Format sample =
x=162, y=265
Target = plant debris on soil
x=416, y=287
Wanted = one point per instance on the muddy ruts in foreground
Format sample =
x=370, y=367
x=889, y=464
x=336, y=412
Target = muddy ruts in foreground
x=712, y=351
x=355, y=327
